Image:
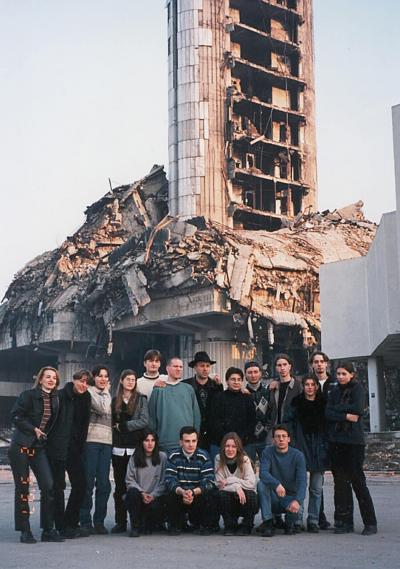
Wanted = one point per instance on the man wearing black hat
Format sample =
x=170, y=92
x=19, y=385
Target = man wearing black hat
x=205, y=388
x=261, y=396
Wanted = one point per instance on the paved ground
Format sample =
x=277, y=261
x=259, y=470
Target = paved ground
x=305, y=551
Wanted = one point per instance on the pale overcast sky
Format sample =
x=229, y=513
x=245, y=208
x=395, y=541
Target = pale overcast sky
x=84, y=98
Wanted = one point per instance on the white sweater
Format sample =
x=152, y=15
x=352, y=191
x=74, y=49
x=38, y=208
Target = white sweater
x=237, y=480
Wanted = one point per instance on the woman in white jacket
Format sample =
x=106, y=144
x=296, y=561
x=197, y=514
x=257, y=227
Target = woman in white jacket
x=236, y=480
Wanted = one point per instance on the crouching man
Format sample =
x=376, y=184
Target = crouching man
x=283, y=480
x=189, y=477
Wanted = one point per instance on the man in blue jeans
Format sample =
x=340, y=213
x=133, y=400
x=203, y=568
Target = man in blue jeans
x=283, y=481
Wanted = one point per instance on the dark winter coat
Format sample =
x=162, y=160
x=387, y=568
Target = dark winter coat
x=128, y=428
x=212, y=389
x=294, y=389
x=343, y=399
x=69, y=433
x=27, y=414
x=308, y=430
x=231, y=411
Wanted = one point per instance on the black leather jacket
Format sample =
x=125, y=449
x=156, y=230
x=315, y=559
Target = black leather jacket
x=27, y=414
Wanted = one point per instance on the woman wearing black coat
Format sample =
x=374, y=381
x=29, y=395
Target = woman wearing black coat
x=305, y=418
x=129, y=418
x=33, y=416
x=345, y=408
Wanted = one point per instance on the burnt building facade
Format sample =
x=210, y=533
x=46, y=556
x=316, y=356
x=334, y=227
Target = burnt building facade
x=242, y=142
x=223, y=256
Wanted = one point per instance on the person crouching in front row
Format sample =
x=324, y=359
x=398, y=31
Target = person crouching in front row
x=145, y=483
x=189, y=477
x=283, y=481
x=236, y=481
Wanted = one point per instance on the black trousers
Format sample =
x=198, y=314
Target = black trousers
x=21, y=459
x=231, y=508
x=58, y=472
x=347, y=469
x=120, y=465
x=201, y=512
x=144, y=515
x=76, y=473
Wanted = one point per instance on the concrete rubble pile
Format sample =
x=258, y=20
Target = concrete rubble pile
x=130, y=252
x=66, y=278
x=271, y=275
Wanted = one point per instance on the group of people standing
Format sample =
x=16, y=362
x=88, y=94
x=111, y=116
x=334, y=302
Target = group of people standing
x=184, y=451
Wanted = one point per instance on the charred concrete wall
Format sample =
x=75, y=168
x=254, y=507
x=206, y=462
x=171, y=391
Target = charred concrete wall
x=241, y=110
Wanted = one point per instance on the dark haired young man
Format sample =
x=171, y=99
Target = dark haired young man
x=189, y=477
x=65, y=448
x=205, y=388
x=283, y=481
x=231, y=411
x=151, y=377
x=319, y=363
x=260, y=395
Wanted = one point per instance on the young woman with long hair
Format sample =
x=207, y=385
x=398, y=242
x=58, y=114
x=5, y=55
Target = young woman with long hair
x=97, y=453
x=33, y=416
x=145, y=485
x=129, y=417
x=236, y=480
x=345, y=409
x=305, y=417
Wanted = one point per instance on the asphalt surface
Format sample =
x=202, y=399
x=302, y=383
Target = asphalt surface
x=303, y=551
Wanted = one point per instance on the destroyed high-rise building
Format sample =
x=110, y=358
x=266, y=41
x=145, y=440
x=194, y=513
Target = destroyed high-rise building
x=241, y=110
x=222, y=257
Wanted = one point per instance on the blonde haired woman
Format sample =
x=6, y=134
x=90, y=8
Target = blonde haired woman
x=33, y=416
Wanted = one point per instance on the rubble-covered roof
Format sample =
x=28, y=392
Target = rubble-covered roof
x=129, y=252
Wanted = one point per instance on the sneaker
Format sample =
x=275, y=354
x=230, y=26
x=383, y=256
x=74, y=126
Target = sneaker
x=134, y=532
x=100, y=529
x=299, y=527
x=324, y=525
x=369, y=530
x=51, y=535
x=269, y=529
x=312, y=528
x=27, y=537
x=119, y=528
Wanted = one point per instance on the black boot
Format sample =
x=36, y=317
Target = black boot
x=268, y=529
x=51, y=535
x=27, y=537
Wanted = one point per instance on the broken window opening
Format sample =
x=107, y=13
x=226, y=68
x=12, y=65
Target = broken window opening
x=250, y=160
x=283, y=131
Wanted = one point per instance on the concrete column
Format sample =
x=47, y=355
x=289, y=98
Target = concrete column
x=376, y=395
x=69, y=363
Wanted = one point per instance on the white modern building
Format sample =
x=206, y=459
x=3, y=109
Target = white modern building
x=364, y=319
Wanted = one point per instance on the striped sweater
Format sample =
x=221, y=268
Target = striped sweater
x=194, y=472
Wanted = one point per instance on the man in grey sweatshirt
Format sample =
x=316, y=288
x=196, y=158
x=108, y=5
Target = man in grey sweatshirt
x=283, y=481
